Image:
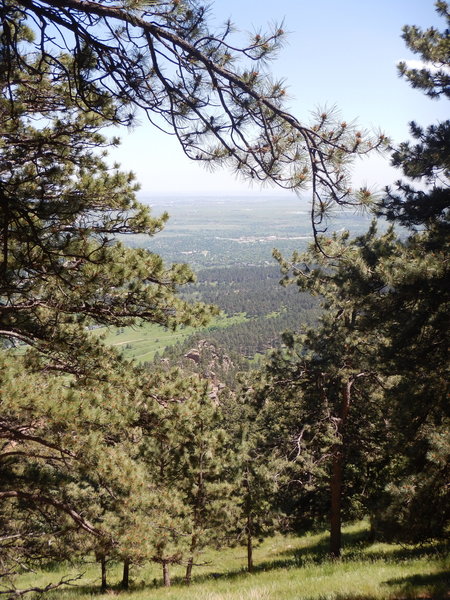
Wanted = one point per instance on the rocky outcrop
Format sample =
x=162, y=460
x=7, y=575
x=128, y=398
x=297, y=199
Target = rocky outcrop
x=210, y=363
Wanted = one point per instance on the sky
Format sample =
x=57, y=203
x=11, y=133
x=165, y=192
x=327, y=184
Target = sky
x=337, y=53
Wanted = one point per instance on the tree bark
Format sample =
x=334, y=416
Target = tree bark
x=104, y=584
x=126, y=574
x=373, y=530
x=5, y=229
x=337, y=474
x=190, y=563
x=336, y=493
x=249, y=525
x=166, y=574
x=188, y=576
x=249, y=543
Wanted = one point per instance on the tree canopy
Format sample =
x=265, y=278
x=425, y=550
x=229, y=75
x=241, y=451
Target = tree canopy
x=62, y=210
x=432, y=46
x=217, y=99
x=382, y=346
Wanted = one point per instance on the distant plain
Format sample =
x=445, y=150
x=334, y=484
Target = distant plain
x=234, y=232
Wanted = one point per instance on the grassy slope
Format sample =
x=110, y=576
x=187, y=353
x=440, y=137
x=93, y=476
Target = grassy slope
x=289, y=568
x=142, y=343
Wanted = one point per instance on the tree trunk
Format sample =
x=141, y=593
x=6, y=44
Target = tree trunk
x=249, y=543
x=249, y=525
x=126, y=574
x=104, y=584
x=373, y=530
x=190, y=563
x=166, y=574
x=337, y=474
x=336, y=493
x=188, y=576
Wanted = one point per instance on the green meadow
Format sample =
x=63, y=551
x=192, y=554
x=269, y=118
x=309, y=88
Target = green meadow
x=286, y=568
x=141, y=343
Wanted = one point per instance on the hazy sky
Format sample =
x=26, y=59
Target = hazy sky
x=337, y=53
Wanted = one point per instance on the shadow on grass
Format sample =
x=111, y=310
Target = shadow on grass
x=437, y=585
x=427, y=587
x=355, y=546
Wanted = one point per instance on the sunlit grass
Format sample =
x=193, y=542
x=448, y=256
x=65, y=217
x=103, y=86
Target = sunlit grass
x=287, y=568
x=143, y=342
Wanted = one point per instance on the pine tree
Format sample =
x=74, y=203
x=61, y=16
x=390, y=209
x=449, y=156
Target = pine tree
x=428, y=160
x=257, y=468
x=432, y=47
x=63, y=272
x=163, y=58
x=347, y=387
x=323, y=391
x=415, y=506
x=387, y=304
x=67, y=452
x=62, y=208
x=191, y=466
x=206, y=471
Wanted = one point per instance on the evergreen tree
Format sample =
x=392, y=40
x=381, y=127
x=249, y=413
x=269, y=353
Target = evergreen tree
x=416, y=309
x=62, y=268
x=68, y=448
x=191, y=466
x=322, y=394
x=258, y=468
x=385, y=324
x=432, y=47
x=206, y=472
x=67, y=454
x=428, y=160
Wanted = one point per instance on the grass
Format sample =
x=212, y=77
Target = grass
x=286, y=568
x=143, y=342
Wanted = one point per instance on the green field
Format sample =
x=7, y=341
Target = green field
x=143, y=342
x=286, y=568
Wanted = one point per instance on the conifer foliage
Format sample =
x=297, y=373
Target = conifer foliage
x=69, y=441
x=217, y=98
x=418, y=305
x=432, y=47
x=61, y=211
x=366, y=395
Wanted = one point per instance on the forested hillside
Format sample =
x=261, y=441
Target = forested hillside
x=255, y=292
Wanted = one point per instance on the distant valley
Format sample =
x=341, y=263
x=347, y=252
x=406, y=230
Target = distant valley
x=236, y=230
x=228, y=241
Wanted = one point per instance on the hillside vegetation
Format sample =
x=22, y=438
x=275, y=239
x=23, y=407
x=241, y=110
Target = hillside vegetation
x=287, y=568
